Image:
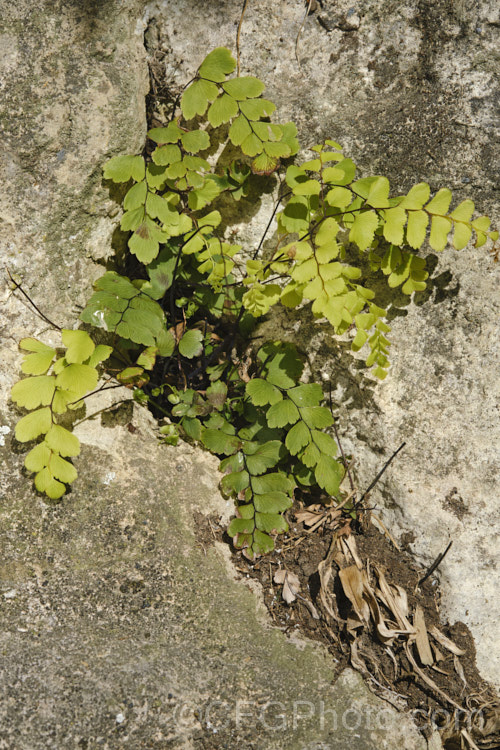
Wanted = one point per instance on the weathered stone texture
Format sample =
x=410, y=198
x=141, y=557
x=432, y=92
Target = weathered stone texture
x=74, y=79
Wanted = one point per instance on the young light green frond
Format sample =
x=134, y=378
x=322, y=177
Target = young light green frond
x=289, y=132
x=34, y=392
x=378, y=194
x=136, y=196
x=79, y=379
x=243, y=88
x=363, y=229
x=222, y=110
x=394, y=223
x=33, y=425
x=239, y=130
x=260, y=298
x=416, y=229
x=61, y=469
x=62, y=441
x=163, y=156
x=145, y=242
x=39, y=362
x=179, y=331
x=196, y=97
x=38, y=457
x=252, y=145
x=463, y=212
x=217, y=65
x=461, y=235
x=339, y=197
x=256, y=109
x=125, y=168
x=30, y=344
x=440, y=228
x=170, y=134
x=45, y=482
x=195, y=140
x=198, y=199
x=417, y=197
x=100, y=354
x=131, y=220
x=265, y=164
x=440, y=203
x=79, y=345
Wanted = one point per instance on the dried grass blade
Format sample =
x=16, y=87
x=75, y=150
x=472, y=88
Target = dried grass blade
x=350, y=542
x=459, y=669
x=389, y=600
x=352, y=583
x=446, y=642
x=421, y=639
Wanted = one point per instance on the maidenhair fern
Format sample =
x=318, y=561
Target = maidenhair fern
x=56, y=383
x=179, y=323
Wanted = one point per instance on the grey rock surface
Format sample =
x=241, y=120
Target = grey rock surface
x=73, y=83
x=117, y=626
x=411, y=91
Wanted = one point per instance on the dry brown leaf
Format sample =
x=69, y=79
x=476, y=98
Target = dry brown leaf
x=459, y=669
x=446, y=642
x=421, y=639
x=401, y=599
x=438, y=656
x=470, y=741
x=385, y=634
x=353, y=585
x=441, y=671
x=178, y=330
x=325, y=573
x=310, y=606
x=385, y=530
x=316, y=515
x=356, y=660
x=291, y=584
x=487, y=722
x=396, y=665
x=309, y=516
x=350, y=543
x=392, y=603
x=325, y=595
x=352, y=625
